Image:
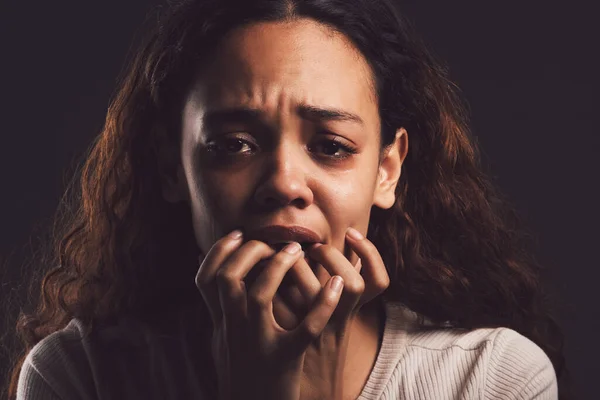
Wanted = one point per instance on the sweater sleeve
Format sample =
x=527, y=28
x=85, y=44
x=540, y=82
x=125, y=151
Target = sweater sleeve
x=519, y=369
x=32, y=386
x=57, y=368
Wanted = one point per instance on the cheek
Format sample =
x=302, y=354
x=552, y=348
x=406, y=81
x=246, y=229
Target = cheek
x=351, y=208
x=348, y=204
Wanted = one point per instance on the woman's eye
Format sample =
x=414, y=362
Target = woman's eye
x=333, y=148
x=231, y=146
x=236, y=146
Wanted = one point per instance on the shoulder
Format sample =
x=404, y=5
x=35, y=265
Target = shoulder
x=57, y=366
x=78, y=362
x=122, y=359
x=446, y=338
x=500, y=361
x=517, y=362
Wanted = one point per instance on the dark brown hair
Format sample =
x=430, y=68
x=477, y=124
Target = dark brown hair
x=454, y=247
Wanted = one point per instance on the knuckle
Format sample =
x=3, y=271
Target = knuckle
x=225, y=277
x=258, y=299
x=385, y=282
x=330, y=301
x=257, y=245
x=282, y=260
x=355, y=286
x=381, y=281
x=311, y=329
x=201, y=281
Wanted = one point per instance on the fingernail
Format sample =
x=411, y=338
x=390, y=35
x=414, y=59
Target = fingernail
x=337, y=283
x=292, y=248
x=235, y=234
x=354, y=234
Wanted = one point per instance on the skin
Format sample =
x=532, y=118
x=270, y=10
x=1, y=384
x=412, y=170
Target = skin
x=281, y=168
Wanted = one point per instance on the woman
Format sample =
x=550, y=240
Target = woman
x=255, y=151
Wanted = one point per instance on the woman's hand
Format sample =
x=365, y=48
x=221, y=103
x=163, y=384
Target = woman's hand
x=362, y=282
x=255, y=357
x=293, y=301
x=326, y=357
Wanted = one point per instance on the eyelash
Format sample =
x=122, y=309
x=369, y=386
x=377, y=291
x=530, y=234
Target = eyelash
x=348, y=149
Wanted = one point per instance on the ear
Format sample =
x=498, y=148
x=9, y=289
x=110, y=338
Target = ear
x=389, y=171
x=170, y=170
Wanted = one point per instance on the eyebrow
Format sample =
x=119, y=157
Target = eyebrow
x=252, y=115
x=313, y=113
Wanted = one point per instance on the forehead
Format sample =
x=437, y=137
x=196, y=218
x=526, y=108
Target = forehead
x=275, y=66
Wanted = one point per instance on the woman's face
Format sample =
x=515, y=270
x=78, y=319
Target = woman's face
x=282, y=128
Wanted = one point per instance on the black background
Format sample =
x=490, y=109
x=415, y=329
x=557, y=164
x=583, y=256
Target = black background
x=528, y=70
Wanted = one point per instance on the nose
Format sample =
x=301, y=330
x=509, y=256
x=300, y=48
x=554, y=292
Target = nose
x=285, y=179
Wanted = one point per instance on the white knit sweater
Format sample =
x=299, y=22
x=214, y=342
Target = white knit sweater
x=413, y=363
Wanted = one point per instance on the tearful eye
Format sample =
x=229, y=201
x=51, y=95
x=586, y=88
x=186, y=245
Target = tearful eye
x=330, y=148
x=235, y=145
x=230, y=146
x=333, y=148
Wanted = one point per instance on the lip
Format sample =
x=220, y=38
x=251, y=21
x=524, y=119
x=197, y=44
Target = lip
x=278, y=233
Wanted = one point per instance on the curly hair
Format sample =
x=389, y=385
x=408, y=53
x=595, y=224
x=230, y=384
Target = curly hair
x=454, y=247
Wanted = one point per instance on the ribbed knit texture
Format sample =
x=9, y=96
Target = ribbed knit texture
x=413, y=363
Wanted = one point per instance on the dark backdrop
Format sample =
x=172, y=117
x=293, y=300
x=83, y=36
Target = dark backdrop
x=527, y=68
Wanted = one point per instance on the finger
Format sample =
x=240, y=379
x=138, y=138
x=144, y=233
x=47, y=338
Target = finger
x=307, y=281
x=358, y=265
x=317, y=318
x=299, y=288
x=230, y=278
x=335, y=263
x=209, y=264
x=297, y=293
x=291, y=295
x=283, y=314
x=260, y=295
x=374, y=272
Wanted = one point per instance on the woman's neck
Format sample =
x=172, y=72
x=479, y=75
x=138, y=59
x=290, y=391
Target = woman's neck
x=340, y=363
